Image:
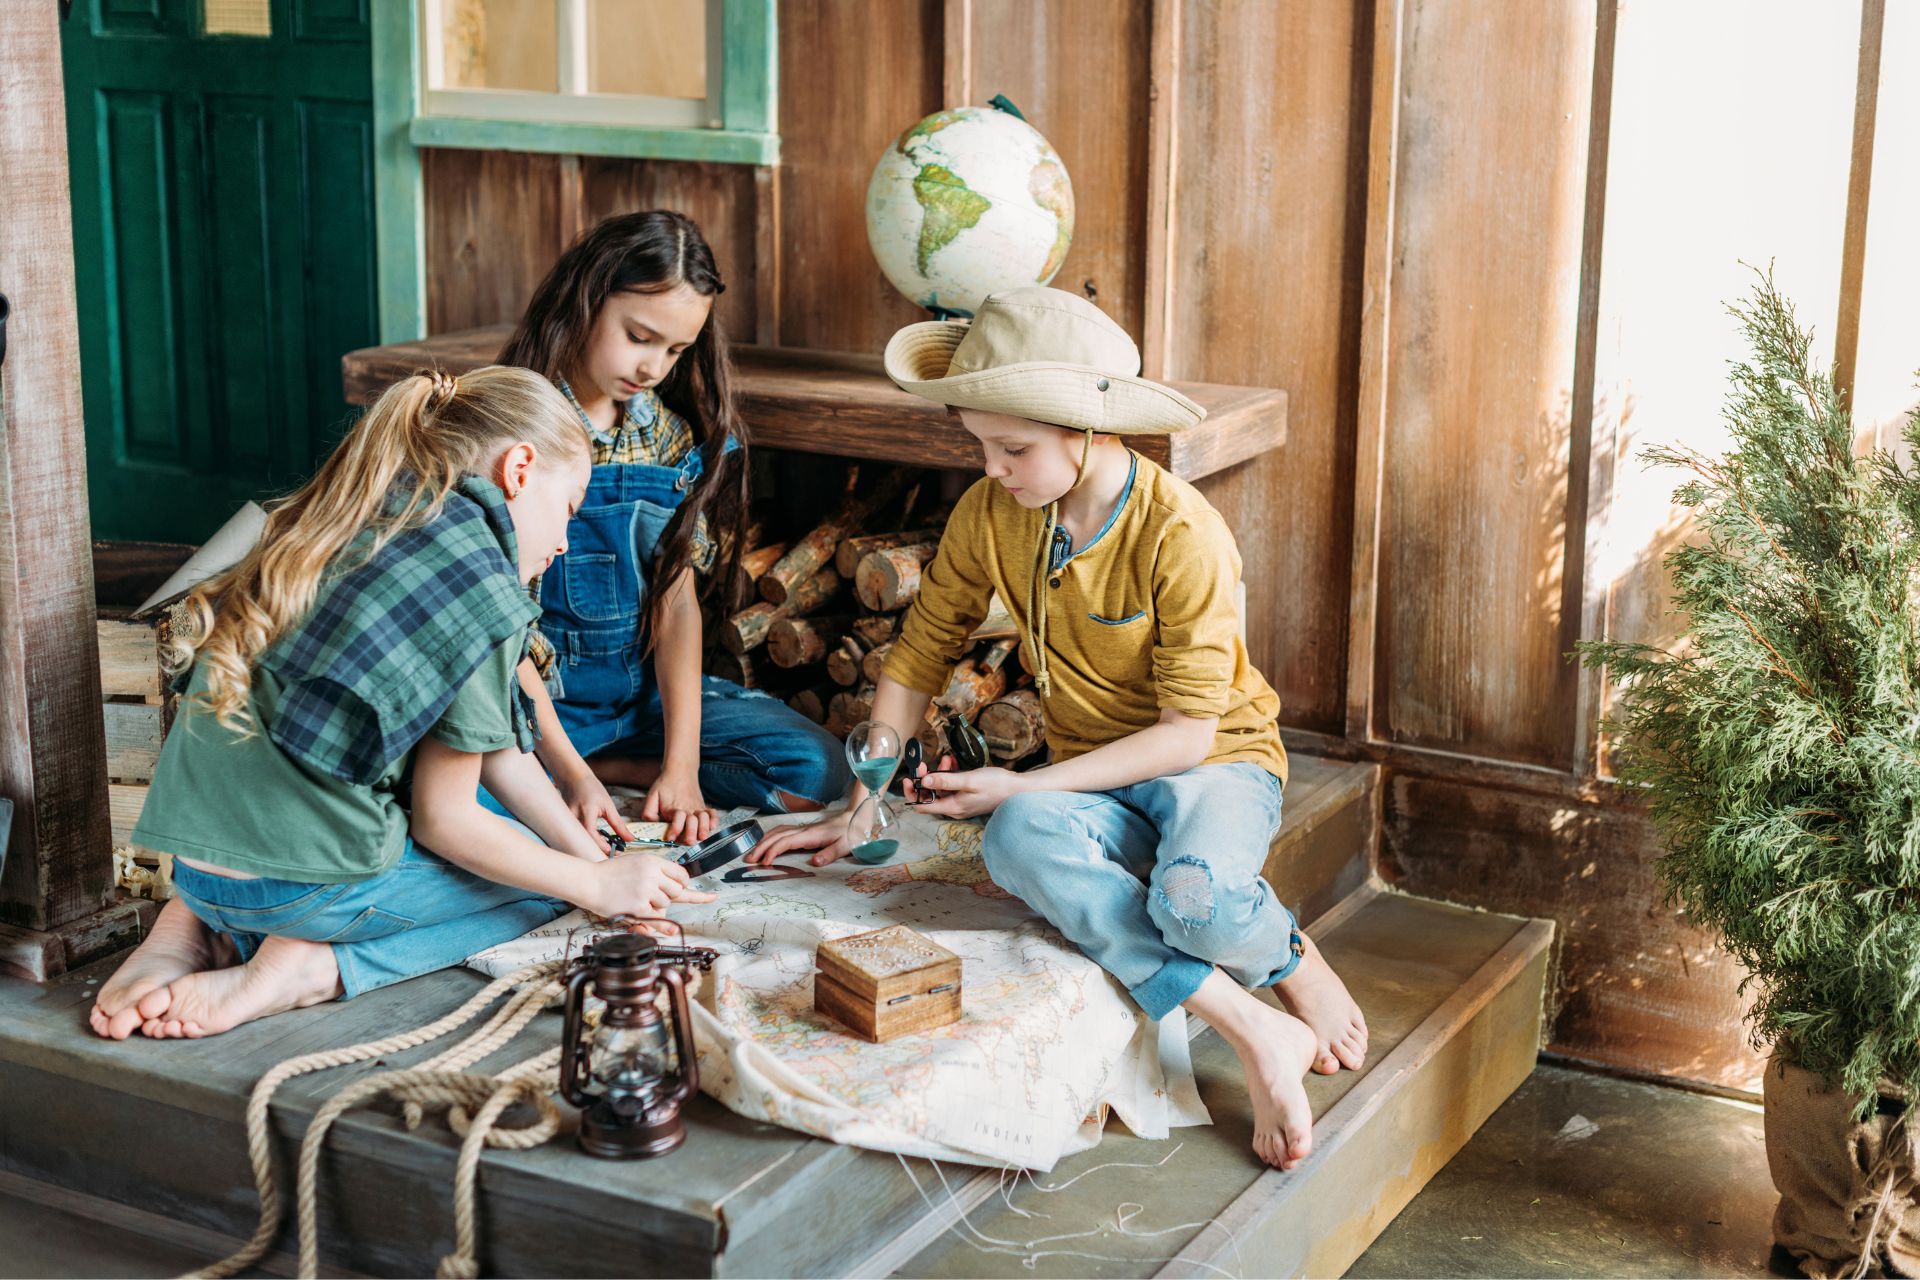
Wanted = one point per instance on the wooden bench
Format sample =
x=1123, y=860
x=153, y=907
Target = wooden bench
x=843, y=404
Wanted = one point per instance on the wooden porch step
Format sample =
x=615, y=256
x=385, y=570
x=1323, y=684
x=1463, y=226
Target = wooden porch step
x=1329, y=834
x=1453, y=999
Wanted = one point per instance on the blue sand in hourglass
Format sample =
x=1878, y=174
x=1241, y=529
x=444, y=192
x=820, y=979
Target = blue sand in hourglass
x=875, y=851
x=874, y=773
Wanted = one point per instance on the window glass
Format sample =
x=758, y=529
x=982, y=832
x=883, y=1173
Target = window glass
x=652, y=47
x=499, y=44
x=239, y=17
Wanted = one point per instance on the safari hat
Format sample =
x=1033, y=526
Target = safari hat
x=1043, y=354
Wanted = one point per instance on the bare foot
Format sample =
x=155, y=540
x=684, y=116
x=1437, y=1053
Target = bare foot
x=1275, y=1049
x=286, y=973
x=1314, y=994
x=177, y=945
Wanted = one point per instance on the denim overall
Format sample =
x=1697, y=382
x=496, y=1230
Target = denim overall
x=753, y=749
x=593, y=598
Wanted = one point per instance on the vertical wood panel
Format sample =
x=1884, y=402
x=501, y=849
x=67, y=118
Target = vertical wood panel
x=1487, y=234
x=1580, y=611
x=53, y=754
x=1370, y=380
x=1889, y=348
x=1077, y=69
x=145, y=310
x=1760, y=82
x=853, y=76
x=1641, y=988
x=1853, y=253
x=246, y=341
x=336, y=144
x=1268, y=226
x=494, y=227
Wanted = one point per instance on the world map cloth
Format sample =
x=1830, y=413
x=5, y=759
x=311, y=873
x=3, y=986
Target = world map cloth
x=1047, y=1043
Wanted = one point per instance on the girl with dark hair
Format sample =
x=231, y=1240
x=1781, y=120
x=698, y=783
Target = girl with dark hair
x=623, y=324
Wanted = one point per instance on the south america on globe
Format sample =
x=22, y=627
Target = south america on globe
x=966, y=202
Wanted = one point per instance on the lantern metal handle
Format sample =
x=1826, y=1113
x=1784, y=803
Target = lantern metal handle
x=689, y=1084
x=573, y=1052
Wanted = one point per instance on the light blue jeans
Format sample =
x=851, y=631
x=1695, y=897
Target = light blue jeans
x=1158, y=882
x=421, y=914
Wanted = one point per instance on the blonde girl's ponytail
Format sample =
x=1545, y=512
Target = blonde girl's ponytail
x=392, y=471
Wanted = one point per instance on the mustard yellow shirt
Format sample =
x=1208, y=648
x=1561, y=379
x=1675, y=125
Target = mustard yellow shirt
x=1142, y=618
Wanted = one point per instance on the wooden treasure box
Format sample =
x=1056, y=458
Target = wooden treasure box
x=887, y=983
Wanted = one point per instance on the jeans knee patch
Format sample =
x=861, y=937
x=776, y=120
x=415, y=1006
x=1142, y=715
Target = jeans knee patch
x=1186, y=892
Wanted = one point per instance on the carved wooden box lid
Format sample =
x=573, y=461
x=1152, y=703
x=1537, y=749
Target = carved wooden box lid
x=887, y=963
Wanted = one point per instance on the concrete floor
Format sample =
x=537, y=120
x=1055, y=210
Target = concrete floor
x=1585, y=1175
x=1577, y=1175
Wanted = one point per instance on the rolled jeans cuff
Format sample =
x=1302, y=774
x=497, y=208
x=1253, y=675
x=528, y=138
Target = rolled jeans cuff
x=1296, y=951
x=1172, y=986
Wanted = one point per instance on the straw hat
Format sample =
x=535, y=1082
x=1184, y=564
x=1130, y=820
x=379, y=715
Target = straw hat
x=1043, y=354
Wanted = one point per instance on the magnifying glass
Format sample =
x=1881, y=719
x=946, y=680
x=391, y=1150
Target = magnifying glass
x=716, y=851
x=722, y=847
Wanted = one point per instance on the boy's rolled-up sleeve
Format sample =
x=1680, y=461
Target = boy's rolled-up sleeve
x=1197, y=621
x=954, y=596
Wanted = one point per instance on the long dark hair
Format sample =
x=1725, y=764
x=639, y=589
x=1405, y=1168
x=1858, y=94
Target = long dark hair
x=654, y=252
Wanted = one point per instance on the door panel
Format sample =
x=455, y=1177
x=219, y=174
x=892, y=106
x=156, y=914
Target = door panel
x=224, y=255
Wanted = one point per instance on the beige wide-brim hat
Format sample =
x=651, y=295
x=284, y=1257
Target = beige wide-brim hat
x=1043, y=354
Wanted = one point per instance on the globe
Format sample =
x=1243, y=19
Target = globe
x=966, y=202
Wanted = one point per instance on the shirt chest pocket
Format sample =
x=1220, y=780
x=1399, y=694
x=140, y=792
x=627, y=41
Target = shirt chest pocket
x=1117, y=638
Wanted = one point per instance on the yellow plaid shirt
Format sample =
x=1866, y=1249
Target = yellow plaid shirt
x=648, y=433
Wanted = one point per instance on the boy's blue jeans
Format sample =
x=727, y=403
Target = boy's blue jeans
x=1158, y=882
x=421, y=914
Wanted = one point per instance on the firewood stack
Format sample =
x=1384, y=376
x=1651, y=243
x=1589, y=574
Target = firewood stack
x=825, y=609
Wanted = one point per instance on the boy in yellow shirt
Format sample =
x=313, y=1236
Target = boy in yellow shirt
x=1144, y=836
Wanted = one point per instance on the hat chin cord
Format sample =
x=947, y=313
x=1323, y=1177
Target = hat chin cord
x=1036, y=595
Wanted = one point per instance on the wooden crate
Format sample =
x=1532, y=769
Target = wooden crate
x=135, y=704
x=886, y=983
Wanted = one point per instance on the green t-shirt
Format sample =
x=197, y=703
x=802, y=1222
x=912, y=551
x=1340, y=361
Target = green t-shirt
x=240, y=802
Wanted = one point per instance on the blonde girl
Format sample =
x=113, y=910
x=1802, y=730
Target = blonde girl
x=348, y=688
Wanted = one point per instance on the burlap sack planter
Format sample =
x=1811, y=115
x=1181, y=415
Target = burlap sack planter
x=1849, y=1189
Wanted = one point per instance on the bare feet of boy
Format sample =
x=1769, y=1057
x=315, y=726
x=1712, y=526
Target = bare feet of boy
x=285, y=973
x=1275, y=1049
x=1314, y=994
x=177, y=945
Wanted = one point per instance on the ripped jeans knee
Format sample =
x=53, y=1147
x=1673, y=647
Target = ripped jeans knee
x=1185, y=893
x=1232, y=923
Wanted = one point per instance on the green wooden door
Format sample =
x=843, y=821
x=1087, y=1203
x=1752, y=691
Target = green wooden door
x=222, y=168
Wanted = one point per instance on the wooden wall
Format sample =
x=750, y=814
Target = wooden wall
x=1483, y=246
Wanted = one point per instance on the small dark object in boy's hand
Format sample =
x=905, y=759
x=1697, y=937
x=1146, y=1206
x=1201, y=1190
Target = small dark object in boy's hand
x=965, y=743
x=918, y=792
x=912, y=765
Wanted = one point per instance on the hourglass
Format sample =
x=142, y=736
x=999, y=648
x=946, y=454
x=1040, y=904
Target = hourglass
x=872, y=830
x=873, y=753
